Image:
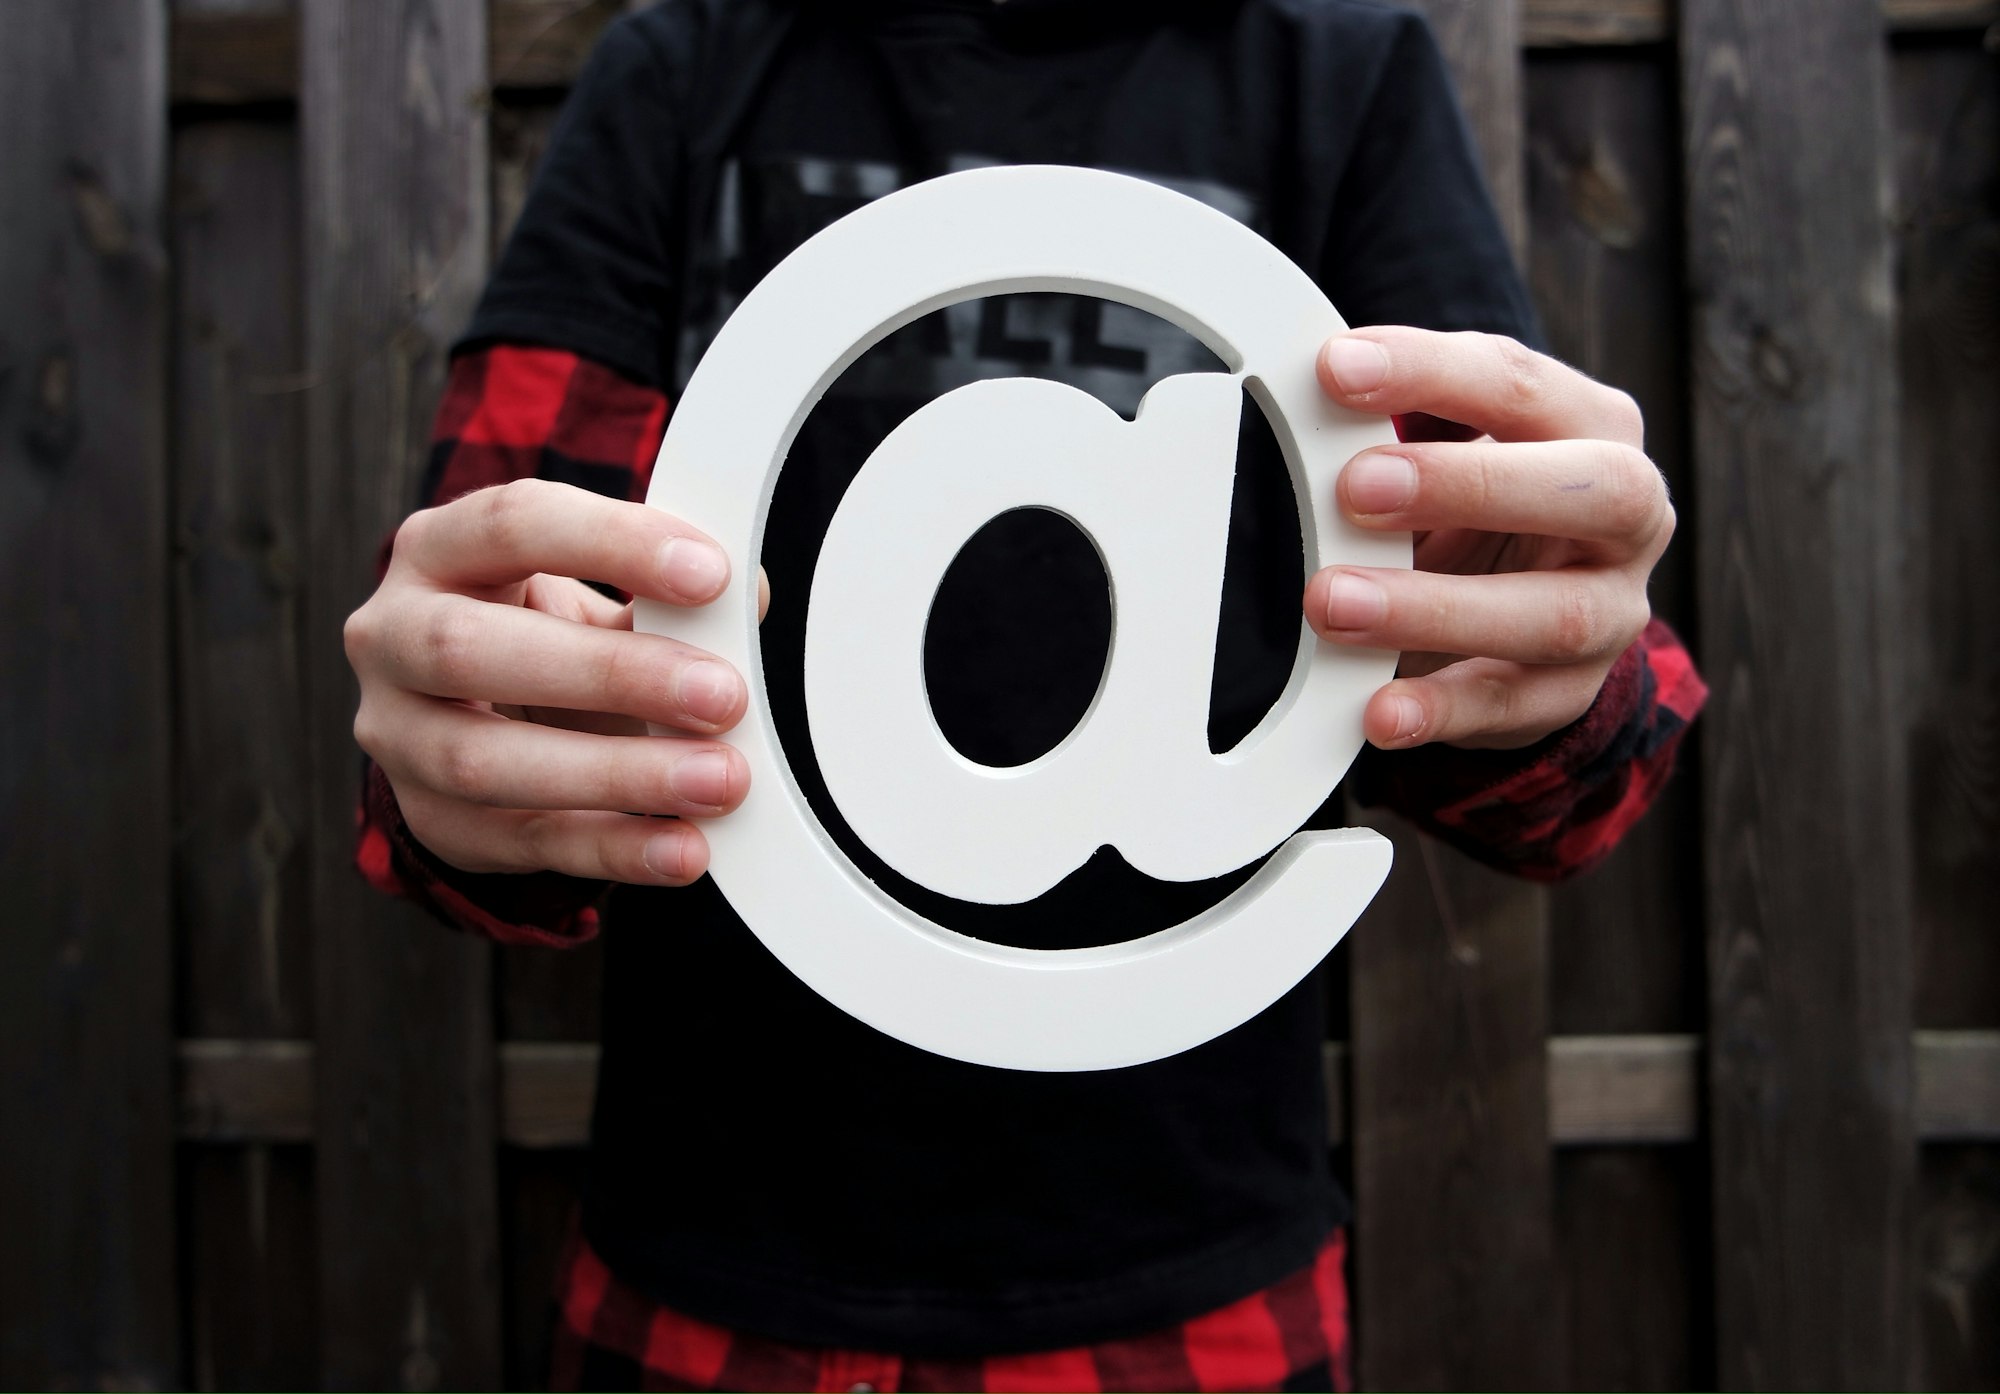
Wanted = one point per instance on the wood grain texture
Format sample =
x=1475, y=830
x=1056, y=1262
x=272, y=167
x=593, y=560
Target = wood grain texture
x=1450, y=1012
x=234, y=56
x=543, y=43
x=1958, y=1085
x=1947, y=123
x=1914, y=16
x=227, y=53
x=1594, y=23
x=252, y=1242
x=540, y=1192
x=241, y=810
x=1946, y=97
x=1482, y=40
x=240, y=52
x=1642, y=1210
x=1805, y=782
x=1603, y=1090
x=1959, y=1254
x=394, y=146
x=88, y=1287
x=1603, y=156
x=1605, y=267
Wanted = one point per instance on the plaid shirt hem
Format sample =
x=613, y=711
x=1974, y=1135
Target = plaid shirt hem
x=1291, y=1335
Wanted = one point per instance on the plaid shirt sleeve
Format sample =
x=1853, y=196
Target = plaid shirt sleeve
x=1561, y=805
x=514, y=412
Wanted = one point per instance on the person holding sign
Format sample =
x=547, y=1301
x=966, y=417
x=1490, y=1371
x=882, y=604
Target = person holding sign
x=780, y=1196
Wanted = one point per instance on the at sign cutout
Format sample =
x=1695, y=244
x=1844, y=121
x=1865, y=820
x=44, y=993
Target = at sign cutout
x=1135, y=773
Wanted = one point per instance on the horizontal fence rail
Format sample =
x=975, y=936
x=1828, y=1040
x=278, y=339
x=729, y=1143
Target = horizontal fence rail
x=230, y=59
x=1602, y=1090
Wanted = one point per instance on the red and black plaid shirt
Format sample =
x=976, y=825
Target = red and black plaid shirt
x=1291, y=1335
x=512, y=412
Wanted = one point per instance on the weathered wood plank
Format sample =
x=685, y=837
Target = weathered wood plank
x=1959, y=1248
x=394, y=142
x=1594, y=23
x=241, y=809
x=246, y=1090
x=1807, y=855
x=1449, y=1087
x=1612, y=1089
x=1611, y=23
x=542, y=43
x=235, y=56
x=250, y=53
x=1642, y=1208
x=541, y=1189
x=1947, y=110
x=1603, y=1090
x=87, y=1290
x=252, y=1319
x=230, y=59
x=1625, y=945
x=1947, y=123
x=1911, y=16
x=1605, y=268
x=1958, y=1085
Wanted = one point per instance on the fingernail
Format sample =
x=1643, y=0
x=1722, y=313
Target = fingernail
x=666, y=856
x=709, y=691
x=1357, y=365
x=1378, y=483
x=1354, y=602
x=1409, y=714
x=693, y=570
x=702, y=779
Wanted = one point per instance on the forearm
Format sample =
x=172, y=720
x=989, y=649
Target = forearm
x=1561, y=805
x=510, y=413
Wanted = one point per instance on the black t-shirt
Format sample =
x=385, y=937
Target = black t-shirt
x=761, y=1159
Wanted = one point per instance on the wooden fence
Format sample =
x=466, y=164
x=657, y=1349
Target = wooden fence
x=1726, y=1111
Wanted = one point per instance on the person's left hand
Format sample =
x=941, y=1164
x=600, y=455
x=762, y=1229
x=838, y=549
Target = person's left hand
x=1534, y=540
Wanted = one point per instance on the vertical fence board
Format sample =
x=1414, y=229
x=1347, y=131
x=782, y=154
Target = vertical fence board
x=1804, y=786
x=394, y=140
x=540, y=1189
x=1948, y=205
x=87, y=1288
x=1959, y=1244
x=1947, y=107
x=1450, y=1015
x=242, y=812
x=1605, y=264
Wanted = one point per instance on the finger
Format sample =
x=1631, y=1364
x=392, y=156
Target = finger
x=508, y=533
x=1479, y=702
x=475, y=651
x=482, y=757
x=1566, y=616
x=1590, y=490
x=1487, y=381
x=593, y=845
x=570, y=599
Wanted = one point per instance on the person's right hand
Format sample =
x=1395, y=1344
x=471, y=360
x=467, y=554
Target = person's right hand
x=507, y=702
